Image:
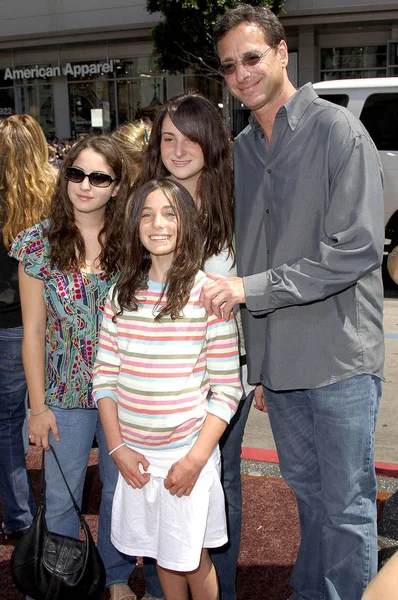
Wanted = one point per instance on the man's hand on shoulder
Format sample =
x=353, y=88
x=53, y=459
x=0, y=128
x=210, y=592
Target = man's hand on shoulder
x=220, y=296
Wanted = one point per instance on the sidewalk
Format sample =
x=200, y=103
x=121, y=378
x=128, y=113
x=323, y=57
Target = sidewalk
x=258, y=434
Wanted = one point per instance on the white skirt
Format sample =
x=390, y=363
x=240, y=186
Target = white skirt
x=151, y=522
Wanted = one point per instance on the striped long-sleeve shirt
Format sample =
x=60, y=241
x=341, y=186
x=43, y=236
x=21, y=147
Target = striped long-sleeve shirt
x=160, y=373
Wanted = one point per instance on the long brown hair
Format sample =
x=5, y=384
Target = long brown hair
x=136, y=261
x=200, y=121
x=68, y=249
x=26, y=180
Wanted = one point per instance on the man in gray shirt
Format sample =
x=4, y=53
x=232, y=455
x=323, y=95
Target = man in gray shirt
x=309, y=241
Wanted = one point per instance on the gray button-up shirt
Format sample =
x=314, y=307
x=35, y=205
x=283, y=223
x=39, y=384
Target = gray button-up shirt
x=309, y=239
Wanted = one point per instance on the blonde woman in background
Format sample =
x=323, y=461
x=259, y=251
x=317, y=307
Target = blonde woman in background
x=26, y=186
x=40, y=141
x=133, y=139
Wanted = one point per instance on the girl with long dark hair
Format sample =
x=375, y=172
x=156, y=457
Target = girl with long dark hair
x=159, y=357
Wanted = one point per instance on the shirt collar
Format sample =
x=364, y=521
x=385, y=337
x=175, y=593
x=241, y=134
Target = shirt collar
x=294, y=108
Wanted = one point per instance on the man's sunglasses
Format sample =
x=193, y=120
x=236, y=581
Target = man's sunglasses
x=96, y=178
x=250, y=60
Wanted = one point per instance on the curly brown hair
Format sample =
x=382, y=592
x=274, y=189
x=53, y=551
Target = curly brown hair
x=199, y=120
x=68, y=250
x=136, y=261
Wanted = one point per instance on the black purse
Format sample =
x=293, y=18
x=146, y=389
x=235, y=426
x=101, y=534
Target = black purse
x=50, y=566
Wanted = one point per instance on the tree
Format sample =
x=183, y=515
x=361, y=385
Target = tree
x=185, y=37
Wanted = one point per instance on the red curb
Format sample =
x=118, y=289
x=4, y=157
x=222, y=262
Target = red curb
x=271, y=456
x=260, y=454
x=386, y=469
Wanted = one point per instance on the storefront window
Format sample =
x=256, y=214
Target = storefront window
x=37, y=101
x=7, y=98
x=140, y=98
x=353, y=62
x=131, y=87
x=141, y=88
x=85, y=96
x=211, y=87
x=7, y=102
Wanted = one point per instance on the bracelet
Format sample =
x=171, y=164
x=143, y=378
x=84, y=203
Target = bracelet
x=117, y=448
x=39, y=413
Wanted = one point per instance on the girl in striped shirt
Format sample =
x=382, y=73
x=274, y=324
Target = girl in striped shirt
x=160, y=355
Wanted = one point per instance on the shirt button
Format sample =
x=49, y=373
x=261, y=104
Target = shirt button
x=262, y=135
x=269, y=171
x=267, y=211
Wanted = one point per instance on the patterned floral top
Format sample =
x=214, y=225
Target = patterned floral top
x=75, y=302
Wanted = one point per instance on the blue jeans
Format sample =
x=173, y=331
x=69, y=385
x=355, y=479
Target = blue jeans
x=325, y=442
x=77, y=428
x=225, y=559
x=15, y=491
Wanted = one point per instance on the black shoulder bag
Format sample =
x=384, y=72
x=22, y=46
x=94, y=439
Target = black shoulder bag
x=49, y=566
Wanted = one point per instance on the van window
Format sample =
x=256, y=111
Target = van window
x=340, y=99
x=380, y=117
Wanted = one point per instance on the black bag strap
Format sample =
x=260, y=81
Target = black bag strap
x=43, y=484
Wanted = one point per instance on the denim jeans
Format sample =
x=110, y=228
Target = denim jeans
x=325, y=442
x=225, y=559
x=15, y=491
x=77, y=428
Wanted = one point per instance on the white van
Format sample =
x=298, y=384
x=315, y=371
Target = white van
x=375, y=103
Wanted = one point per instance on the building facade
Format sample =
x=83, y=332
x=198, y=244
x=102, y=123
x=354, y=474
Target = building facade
x=340, y=39
x=77, y=65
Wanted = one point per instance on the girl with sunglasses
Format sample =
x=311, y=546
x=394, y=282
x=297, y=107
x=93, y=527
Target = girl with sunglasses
x=67, y=265
x=189, y=143
x=159, y=356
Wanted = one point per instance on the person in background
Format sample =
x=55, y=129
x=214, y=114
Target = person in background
x=39, y=138
x=309, y=245
x=159, y=356
x=68, y=263
x=189, y=143
x=26, y=187
x=392, y=264
x=53, y=158
x=133, y=139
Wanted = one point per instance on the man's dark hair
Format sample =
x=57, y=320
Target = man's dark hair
x=246, y=13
